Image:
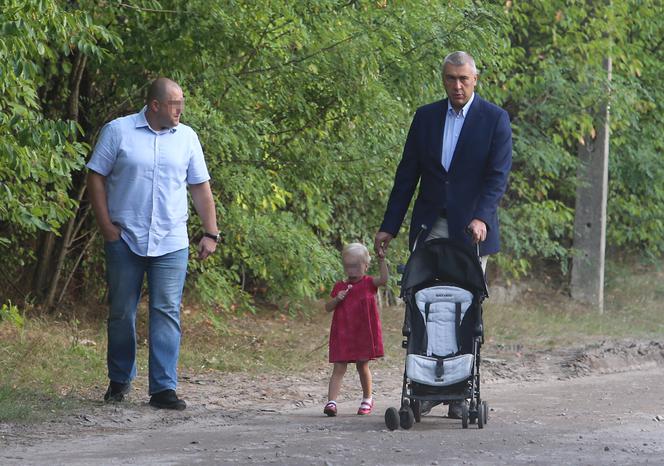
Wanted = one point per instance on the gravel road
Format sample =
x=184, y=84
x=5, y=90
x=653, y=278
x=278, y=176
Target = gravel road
x=593, y=405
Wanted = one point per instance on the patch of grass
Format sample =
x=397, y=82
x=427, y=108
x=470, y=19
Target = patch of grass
x=44, y=365
x=632, y=309
x=20, y=405
x=11, y=407
x=254, y=342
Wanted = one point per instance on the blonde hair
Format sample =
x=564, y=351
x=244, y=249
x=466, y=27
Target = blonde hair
x=357, y=249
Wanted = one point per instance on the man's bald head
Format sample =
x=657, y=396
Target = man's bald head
x=159, y=89
x=165, y=104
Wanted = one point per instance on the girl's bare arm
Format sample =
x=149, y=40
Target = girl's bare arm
x=384, y=275
x=332, y=303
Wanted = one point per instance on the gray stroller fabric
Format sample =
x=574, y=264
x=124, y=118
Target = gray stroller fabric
x=422, y=369
x=438, y=307
x=440, y=322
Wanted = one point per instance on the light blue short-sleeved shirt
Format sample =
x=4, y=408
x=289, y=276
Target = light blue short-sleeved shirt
x=147, y=173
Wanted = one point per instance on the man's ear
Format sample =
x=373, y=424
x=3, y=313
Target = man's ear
x=153, y=106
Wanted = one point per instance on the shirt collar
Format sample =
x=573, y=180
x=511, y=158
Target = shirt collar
x=464, y=109
x=142, y=121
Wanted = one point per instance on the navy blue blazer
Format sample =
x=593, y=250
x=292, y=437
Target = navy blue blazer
x=474, y=184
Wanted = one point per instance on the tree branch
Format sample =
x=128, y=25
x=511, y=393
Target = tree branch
x=149, y=10
x=75, y=266
x=306, y=57
x=250, y=56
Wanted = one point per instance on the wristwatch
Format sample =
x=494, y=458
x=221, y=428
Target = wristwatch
x=215, y=237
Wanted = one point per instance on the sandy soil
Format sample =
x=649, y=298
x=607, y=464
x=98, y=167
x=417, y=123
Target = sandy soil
x=596, y=404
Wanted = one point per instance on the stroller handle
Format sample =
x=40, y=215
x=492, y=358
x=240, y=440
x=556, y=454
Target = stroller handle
x=477, y=245
x=423, y=228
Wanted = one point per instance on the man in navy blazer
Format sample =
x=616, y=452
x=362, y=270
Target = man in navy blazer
x=460, y=151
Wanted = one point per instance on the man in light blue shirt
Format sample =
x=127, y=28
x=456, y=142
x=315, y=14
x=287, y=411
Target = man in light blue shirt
x=139, y=173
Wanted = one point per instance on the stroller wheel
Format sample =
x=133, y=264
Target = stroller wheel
x=392, y=418
x=417, y=410
x=406, y=418
x=485, y=408
x=480, y=417
x=473, y=412
x=464, y=415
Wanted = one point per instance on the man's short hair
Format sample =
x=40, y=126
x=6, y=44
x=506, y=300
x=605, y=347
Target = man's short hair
x=460, y=58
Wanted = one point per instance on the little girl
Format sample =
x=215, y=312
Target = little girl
x=355, y=335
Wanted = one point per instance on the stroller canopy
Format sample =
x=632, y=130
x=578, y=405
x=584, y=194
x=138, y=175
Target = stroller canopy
x=447, y=261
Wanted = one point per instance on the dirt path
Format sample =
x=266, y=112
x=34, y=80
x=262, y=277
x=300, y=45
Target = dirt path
x=599, y=404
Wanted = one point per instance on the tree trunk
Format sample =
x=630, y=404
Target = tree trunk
x=80, y=62
x=587, y=283
x=40, y=278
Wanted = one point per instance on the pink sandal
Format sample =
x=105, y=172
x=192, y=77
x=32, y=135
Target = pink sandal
x=330, y=409
x=365, y=408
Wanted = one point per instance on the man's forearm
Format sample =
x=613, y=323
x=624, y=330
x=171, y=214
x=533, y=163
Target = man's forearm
x=96, y=186
x=201, y=194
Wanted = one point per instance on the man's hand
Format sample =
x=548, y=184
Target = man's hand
x=381, y=242
x=206, y=246
x=110, y=232
x=477, y=229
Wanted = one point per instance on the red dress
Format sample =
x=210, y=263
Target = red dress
x=356, y=333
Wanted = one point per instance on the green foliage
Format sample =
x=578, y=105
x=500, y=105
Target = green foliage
x=40, y=150
x=636, y=207
x=10, y=313
x=557, y=81
x=303, y=109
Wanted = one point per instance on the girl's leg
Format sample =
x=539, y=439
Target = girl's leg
x=335, y=380
x=365, y=378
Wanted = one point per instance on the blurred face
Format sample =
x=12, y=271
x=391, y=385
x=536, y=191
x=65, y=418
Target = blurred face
x=167, y=112
x=460, y=82
x=354, y=266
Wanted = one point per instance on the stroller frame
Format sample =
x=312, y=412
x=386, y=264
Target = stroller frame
x=443, y=262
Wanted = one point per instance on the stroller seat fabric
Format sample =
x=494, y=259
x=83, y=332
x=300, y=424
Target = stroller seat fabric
x=422, y=369
x=442, y=309
x=438, y=306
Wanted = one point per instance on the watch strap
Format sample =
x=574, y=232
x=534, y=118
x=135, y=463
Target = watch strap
x=212, y=236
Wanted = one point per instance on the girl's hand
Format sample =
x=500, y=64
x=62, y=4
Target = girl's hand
x=332, y=304
x=342, y=294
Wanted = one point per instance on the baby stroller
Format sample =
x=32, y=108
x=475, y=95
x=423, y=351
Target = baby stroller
x=443, y=287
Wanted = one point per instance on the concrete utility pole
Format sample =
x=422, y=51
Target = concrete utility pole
x=587, y=283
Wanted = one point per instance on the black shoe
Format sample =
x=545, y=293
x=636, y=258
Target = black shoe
x=116, y=391
x=167, y=400
x=455, y=410
x=427, y=406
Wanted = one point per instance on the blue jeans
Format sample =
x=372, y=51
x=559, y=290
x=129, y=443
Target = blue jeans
x=166, y=274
